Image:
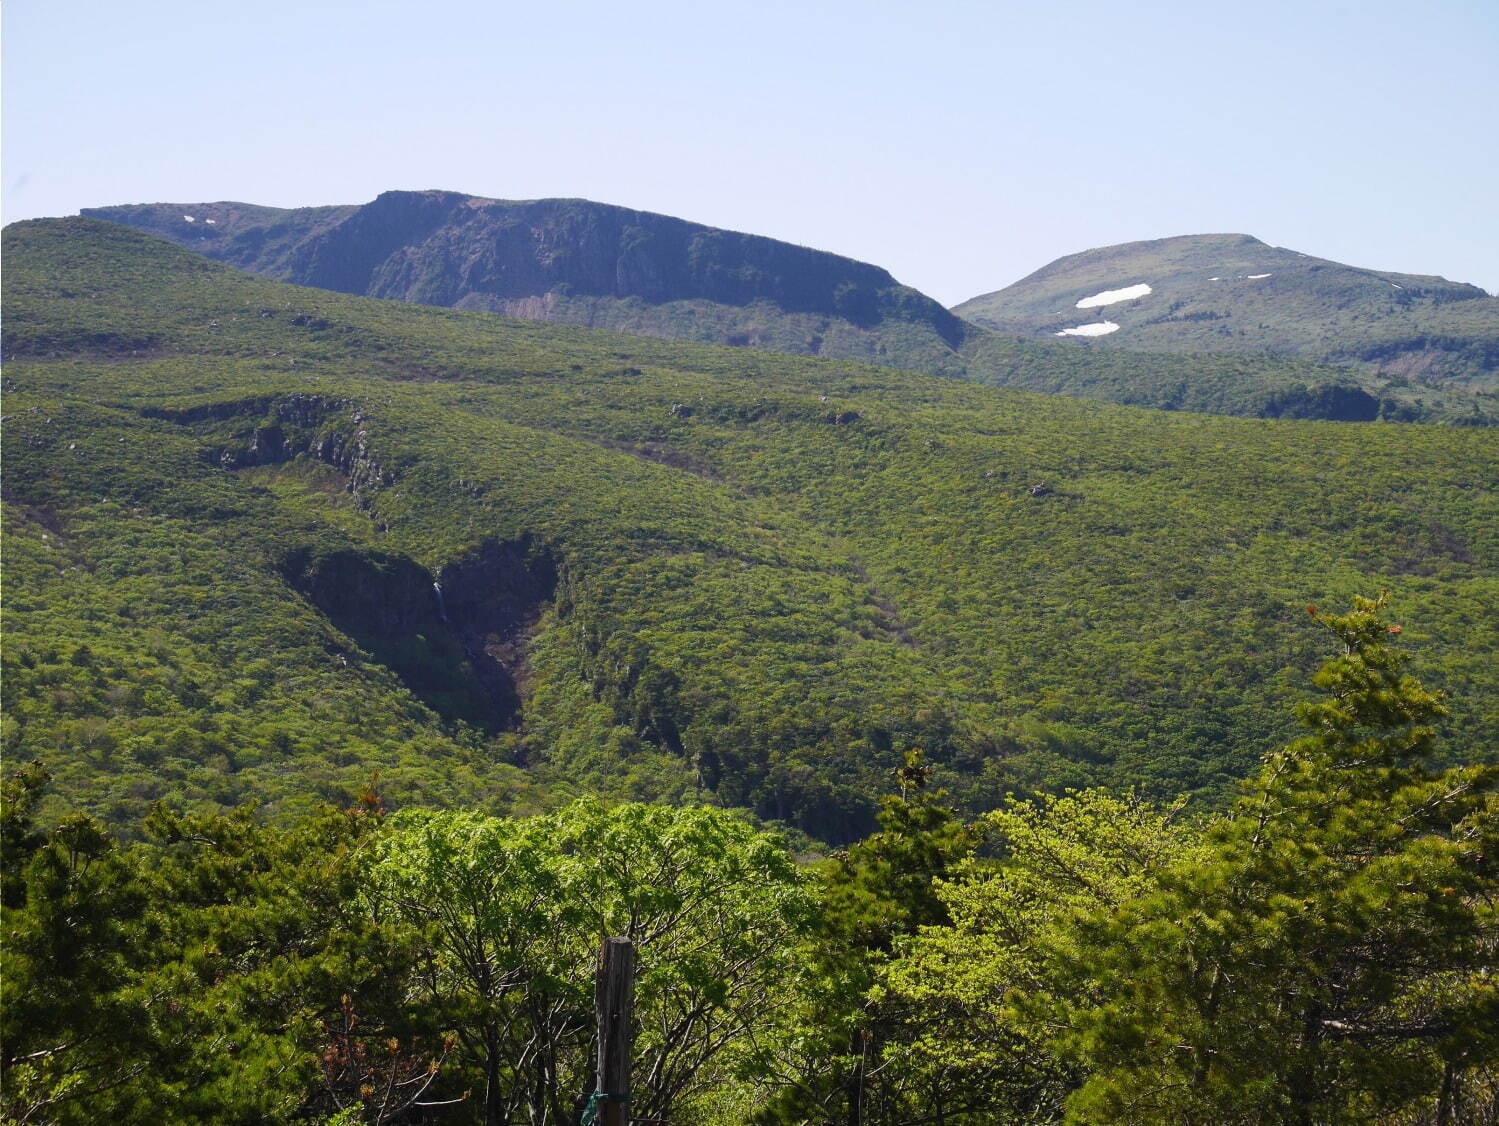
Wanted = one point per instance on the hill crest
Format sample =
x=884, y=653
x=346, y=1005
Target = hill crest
x=526, y=257
x=1236, y=293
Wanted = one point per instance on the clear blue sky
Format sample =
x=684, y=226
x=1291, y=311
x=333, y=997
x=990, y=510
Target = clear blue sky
x=961, y=145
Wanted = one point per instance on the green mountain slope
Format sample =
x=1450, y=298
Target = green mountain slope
x=661, y=569
x=577, y=262
x=1233, y=293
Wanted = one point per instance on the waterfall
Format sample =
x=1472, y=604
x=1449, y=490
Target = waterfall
x=442, y=608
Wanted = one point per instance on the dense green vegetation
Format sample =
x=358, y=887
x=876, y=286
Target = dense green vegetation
x=578, y=262
x=1324, y=952
x=1424, y=346
x=667, y=572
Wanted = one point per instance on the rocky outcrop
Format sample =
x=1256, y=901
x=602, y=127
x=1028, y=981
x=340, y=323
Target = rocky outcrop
x=492, y=602
x=331, y=430
x=458, y=640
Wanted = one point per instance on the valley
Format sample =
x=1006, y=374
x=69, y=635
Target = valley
x=666, y=570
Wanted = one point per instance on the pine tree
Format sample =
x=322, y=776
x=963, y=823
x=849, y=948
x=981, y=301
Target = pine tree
x=80, y=1042
x=1334, y=959
x=873, y=894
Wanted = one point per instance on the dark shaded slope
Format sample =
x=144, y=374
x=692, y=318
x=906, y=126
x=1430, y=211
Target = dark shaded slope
x=246, y=236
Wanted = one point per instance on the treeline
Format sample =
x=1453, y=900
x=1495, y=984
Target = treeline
x=1325, y=952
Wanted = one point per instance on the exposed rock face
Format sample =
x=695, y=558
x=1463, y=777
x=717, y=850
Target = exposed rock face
x=533, y=258
x=457, y=641
x=492, y=603
x=367, y=594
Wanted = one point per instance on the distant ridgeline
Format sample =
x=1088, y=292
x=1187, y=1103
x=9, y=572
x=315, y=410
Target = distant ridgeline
x=263, y=540
x=1232, y=293
x=592, y=264
x=574, y=261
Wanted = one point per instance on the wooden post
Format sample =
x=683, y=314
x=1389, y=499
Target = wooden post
x=614, y=1005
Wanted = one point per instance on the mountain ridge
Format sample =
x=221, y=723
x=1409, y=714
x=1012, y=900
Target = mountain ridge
x=602, y=266
x=492, y=252
x=1229, y=241
x=1235, y=293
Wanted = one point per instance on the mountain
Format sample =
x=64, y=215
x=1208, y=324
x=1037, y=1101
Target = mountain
x=592, y=264
x=1234, y=293
x=574, y=261
x=264, y=540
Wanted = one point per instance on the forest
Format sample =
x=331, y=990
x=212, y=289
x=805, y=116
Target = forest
x=949, y=753
x=1321, y=951
x=666, y=572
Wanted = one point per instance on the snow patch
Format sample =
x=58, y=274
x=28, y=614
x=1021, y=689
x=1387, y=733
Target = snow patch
x=1215, y=279
x=1397, y=286
x=211, y=222
x=189, y=219
x=1256, y=277
x=1110, y=296
x=1097, y=328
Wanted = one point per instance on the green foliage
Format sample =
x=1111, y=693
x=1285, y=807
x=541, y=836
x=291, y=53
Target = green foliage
x=828, y=1062
x=1331, y=959
x=20, y=795
x=1322, y=953
x=293, y=996
x=79, y=1035
x=885, y=886
x=971, y=1052
x=513, y=913
x=227, y=969
x=754, y=604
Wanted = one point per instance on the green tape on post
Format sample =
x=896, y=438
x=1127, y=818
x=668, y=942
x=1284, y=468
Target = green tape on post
x=596, y=1101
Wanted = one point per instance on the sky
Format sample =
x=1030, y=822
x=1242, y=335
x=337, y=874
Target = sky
x=959, y=145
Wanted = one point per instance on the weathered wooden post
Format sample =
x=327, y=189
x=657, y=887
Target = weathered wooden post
x=614, y=1006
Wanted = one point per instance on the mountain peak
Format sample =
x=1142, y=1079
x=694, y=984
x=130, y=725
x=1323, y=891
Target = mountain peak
x=562, y=259
x=1236, y=293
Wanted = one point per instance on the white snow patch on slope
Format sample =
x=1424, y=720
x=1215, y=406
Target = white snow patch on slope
x=189, y=219
x=1397, y=286
x=1109, y=296
x=1256, y=277
x=1097, y=328
x=1215, y=279
x=210, y=222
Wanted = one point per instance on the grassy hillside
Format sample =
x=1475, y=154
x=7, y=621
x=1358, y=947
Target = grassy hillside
x=1233, y=293
x=663, y=569
x=578, y=262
